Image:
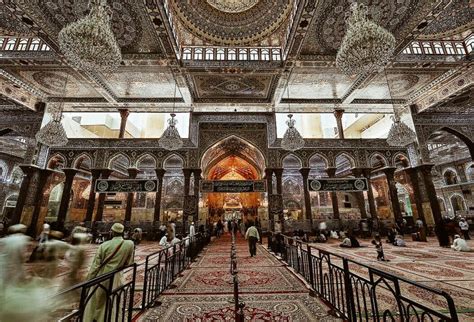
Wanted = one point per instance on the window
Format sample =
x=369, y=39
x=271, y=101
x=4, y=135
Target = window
x=276, y=54
x=23, y=44
x=34, y=45
x=416, y=48
x=449, y=49
x=2, y=40
x=10, y=44
x=265, y=54
x=44, y=47
x=407, y=50
x=427, y=48
x=209, y=54
x=198, y=53
x=242, y=54
x=470, y=43
x=460, y=49
x=231, y=54
x=220, y=54
x=253, y=54
x=438, y=48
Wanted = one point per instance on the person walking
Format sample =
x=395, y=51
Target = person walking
x=253, y=237
x=192, y=230
x=111, y=255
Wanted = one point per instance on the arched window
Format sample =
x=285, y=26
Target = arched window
x=243, y=54
x=198, y=54
x=470, y=172
x=10, y=44
x=34, y=45
x=276, y=55
x=450, y=177
x=231, y=54
x=187, y=55
x=265, y=54
x=209, y=54
x=449, y=49
x=457, y=201
x=220, y=54
x=427, y=48
x=438, y=48
x=23, y=44
x=416, y=48
x=460, y=49
x=254, y=54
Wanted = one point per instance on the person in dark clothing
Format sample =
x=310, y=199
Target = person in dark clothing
x=378, y=246
x=442, y=233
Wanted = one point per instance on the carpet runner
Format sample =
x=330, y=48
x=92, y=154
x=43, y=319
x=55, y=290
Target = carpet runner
x=269, y=290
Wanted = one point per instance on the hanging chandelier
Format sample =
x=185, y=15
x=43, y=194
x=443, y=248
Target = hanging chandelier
x=366, y=46
x=292, y=139
x=89, y=43
x=400, y=134
x=171, y=140
x=53, y=133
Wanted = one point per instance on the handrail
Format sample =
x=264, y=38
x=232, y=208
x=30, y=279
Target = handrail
x=238, y=306
x=351, y=295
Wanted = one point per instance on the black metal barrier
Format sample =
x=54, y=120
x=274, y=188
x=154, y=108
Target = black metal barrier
x=162, y=267
x=359, y=292
x=114, y=291
x=238, y=306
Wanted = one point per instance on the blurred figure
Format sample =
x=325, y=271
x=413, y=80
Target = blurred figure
x=165, y=240
x=111, y=255
x=460, y=244
x=76, y=257
x=377, y=241
x=464, y=225
x=253, y=237
x=192, y=230
x=44, y=236
x=13, y=248
x=137, y=236
x=53, y=250
x=399, y=241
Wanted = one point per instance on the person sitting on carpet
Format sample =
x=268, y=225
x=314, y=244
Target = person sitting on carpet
x=350, y=242
x=399, y=241
x=346, y=242
x=460, y=244
x=333, y=234
x=391, y=235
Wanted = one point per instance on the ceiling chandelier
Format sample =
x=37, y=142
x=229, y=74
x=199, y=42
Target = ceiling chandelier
x=53, y=133
x=89, y=43
x=400, y=134
x=292, y=139
x=171, y=140
x=366, y=46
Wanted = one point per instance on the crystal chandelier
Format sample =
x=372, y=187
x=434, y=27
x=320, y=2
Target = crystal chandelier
x=89, y=43
x=366, y=46
x=292, y=140
x=400, y=134
x=53, y=133
x=170, y=140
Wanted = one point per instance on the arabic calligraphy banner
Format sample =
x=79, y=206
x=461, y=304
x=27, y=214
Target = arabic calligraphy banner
x=126, y=185
x=334, y=184
x=235, y=186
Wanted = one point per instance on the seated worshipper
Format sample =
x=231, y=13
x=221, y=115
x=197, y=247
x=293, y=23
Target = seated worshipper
x=391, y=235
x=399, y=241
x=464, y=225
x=460, y=244
x=350, y=241
x=165, y=241
x=346, y=242
x=137, y=236
x=333, y=234
x=354, y=241
x=111, y=255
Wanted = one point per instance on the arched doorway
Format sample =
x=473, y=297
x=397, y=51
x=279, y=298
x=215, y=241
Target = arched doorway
x=233, y=159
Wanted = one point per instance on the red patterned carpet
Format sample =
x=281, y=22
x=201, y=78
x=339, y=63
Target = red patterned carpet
x=426, y=263
x=269, y=290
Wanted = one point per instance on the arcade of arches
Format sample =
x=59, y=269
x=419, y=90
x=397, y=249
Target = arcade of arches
x=231, y=72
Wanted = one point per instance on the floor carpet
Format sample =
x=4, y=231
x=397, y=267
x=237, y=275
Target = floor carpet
x=269, y=290
x=426, y=263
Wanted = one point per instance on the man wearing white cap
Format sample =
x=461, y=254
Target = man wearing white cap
x=114, y=254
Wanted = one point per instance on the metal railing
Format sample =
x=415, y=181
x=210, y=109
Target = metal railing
x=162, y=267
x=359, y=292
x=117, y=289
x=110, y=296
x=238, y=306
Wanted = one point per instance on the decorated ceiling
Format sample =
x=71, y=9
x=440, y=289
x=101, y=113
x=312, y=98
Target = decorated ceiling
x=229, y=55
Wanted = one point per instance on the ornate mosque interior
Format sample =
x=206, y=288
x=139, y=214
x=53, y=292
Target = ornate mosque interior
x=230, y=72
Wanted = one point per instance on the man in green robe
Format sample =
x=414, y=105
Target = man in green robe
x=111, y=255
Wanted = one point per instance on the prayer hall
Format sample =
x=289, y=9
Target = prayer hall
x=236, y=160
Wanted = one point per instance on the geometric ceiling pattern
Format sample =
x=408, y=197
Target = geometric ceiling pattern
x=304, y=78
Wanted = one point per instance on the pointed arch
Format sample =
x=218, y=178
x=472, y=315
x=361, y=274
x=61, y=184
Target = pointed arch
x=82, y=161
x=146, y=160
x=126, y=161
x=377, y=160
x=318, y=159
x=401, y=160
x=291, y=161
x=173, y=161
x=344, y=163
x=57, y=161
x=3, y=170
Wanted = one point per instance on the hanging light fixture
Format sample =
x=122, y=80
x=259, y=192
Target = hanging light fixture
x=292, y=139
x=53, y=133
x=89, y=43
x=366, y=46
x=171, y=140
x=400, y=134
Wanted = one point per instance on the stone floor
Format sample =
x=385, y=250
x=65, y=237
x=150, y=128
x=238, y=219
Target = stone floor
x=426, y=263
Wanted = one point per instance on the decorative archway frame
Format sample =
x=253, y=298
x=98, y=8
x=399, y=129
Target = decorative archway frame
x=379, y=155
x=454, y=194
x=5, y=168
